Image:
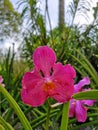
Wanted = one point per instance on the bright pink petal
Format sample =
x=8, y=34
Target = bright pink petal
x=30, y=79
x=62, y=93
x=34, y=97
x=82, y=83
x=64, y=82
x=81, y=112
x=32, y=91
x=70, y=70
x=72, y=108
x=1, y=79
x=44, y=59
x=59, y=74
x=88, y=102
x=63, y=74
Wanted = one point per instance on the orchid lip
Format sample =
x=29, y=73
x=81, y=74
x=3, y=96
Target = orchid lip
x=48, y=86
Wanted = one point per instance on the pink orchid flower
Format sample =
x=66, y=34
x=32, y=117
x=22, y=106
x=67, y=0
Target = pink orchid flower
x=1, y=80
x=79, y=108
x=47, y=79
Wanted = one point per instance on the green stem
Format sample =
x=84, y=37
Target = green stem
x=16, y=108
x=47, y=119
x=65, y=114
x=53, y=112
x=43, y=120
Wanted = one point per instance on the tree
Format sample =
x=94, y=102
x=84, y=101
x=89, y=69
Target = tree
x=9, y=19
x=61, y=14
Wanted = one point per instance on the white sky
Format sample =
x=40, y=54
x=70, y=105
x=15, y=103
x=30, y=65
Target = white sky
x=53, y=11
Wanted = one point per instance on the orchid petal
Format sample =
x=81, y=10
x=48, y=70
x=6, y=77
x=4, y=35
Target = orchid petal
x=1, y=79
x=62, y=93
x=70, y=70
x=30, y=79
x=81, y=112
x=82, y=83
x=63, y=74
x=88, y=102
x=64, y=82
x=44, y=59
x=72, y=108
x=32, y=91
x=34, y=97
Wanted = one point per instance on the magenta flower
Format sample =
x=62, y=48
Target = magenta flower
x=48, y=79
x=79, y=108
x=1, y=80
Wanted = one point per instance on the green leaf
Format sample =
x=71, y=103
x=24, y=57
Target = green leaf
x=4, y=125
x=84, y=67
x=16, y=108
x=92, y=95
x=84, y=125
x=1, y=127
x=64, y=121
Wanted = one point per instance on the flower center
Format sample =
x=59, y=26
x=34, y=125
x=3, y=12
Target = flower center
x=49, y=86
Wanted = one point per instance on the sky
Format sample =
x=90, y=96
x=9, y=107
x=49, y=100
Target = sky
x=53, y=12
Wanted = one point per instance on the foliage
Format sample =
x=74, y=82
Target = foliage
x=9, y=19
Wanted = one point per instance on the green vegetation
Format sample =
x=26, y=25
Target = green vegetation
x=77, y=45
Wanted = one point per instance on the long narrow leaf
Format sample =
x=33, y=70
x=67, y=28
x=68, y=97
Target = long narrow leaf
x=87, y=62
x=6, y=125
x=92, y=95
x=86, y=68
x=84, y=125
x=16, y=108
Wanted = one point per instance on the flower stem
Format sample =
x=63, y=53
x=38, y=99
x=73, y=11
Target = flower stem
x=65, y=113
x=47, y=119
